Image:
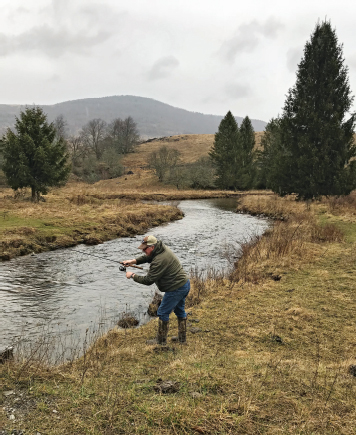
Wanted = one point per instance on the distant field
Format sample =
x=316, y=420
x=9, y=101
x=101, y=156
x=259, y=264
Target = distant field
x=191, y=146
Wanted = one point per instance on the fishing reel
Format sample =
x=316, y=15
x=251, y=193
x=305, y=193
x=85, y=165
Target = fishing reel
x=123, y=267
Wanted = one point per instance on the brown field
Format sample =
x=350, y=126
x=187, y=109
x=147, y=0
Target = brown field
x=274, y=352
x=274, y=349
x=191, y=146
x=91, y=214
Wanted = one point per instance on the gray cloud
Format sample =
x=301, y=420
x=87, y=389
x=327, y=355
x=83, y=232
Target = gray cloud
x=163, y=68
x=55, y=78
x=237, y=91
x=67, y=29
x=22, y=10
x=102, y=14
x=51, y=42
x=294, y=56
x=248, y=36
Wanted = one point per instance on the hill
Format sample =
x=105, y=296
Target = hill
x=154, y=118
x=191, y=147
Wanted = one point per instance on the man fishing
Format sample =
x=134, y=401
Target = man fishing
x=169, y=276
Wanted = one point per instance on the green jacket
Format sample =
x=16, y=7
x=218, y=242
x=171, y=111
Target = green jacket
x=165, y=269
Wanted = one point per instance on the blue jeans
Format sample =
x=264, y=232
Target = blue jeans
x=174, y=301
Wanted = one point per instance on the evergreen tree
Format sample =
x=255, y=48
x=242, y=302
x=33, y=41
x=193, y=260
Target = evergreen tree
x=272, y=158
x=224, y=152
x=245, y=169
x=233, y=154
x=34, y=155
x=316, y=139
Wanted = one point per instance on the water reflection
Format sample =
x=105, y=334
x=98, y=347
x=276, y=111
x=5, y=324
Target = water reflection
x=73, y=290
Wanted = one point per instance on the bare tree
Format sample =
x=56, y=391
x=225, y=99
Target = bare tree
x=163, y=161
x=61, y=126
x=94, y=135
x=124, y=135
x=77, y=149
x=177, y=175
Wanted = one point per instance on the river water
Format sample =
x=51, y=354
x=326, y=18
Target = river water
x=73, y=291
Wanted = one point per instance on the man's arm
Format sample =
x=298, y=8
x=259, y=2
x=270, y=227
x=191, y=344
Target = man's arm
x=143, y=259
x=156, y=271
x=129, y=262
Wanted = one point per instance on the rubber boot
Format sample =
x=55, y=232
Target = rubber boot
x=162, y=332
x=182, y=331
x=161, y=337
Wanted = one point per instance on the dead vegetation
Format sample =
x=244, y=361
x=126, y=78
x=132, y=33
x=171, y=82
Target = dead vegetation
x=91, y=214
x=191, y=146
x=274, y=351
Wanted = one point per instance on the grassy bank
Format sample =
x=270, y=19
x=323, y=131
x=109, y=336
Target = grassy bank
x=191, y=146
x=273, y=350
x=91, y=214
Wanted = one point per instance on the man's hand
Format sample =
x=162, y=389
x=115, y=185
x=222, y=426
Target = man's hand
x=129, y=262
x=129, y=275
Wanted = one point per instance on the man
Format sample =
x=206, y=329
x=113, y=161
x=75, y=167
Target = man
x=168, y=274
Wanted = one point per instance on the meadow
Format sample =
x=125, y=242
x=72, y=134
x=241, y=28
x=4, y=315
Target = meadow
x=88, y=213
x=270, y=348
x=191, y=146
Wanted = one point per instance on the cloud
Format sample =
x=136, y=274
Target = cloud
x=248, y=36
x=55, y=78
x=22, y=10
x=294, y=56
x=102, y=15
x=163, y=68
x=237, y=91
x=64, y=28
x=51, y=42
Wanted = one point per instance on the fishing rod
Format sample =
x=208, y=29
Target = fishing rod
x=122, y=268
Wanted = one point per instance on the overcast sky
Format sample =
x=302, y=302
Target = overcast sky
x=206, y=56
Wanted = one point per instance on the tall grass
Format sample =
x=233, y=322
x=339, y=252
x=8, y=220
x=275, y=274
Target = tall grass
x=273, y=352
x=288, y=242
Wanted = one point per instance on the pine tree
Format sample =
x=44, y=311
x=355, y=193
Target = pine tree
x=34, y=156
x=272, y=158
x=316, y=140
x=245, y=170
x=233, y=154
x=224, y=152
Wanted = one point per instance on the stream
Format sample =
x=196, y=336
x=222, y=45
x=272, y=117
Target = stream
x=69, y=292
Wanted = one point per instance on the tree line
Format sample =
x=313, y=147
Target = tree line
x=39, y=154
x=166, y=163
x=309, y=150
x=96, y=150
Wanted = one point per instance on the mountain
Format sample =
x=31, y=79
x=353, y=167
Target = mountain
x=153, y=118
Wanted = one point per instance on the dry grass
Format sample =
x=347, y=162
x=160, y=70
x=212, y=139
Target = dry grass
x=271, y=205
x=344, y=206
x=83, y=213
x=268, y=204
x=272, y=356
x=191, y=146
x=73, y=215
x=296, y=238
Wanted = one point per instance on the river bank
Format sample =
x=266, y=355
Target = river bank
x=70, y=288
x=82, y=213
x=271, y=348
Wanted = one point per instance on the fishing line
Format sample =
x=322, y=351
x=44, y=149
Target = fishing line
x=108, y=259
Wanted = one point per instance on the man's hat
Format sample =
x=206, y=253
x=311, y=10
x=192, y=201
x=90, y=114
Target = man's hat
x=148, y=241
